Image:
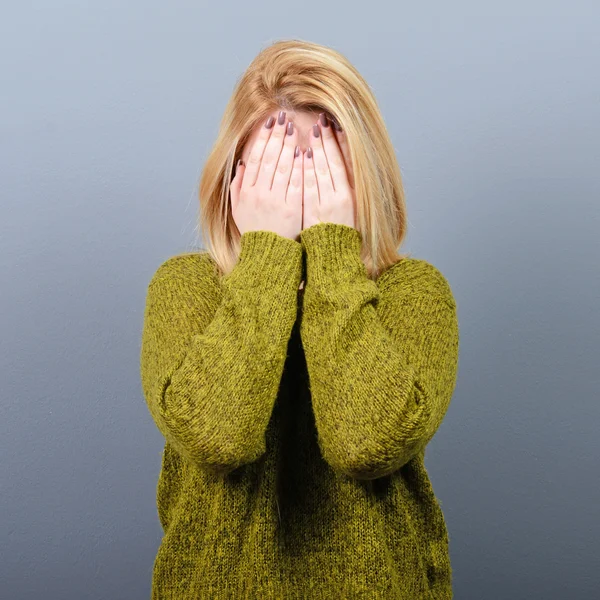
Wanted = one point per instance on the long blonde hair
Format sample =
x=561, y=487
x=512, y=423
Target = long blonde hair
x=296, y=75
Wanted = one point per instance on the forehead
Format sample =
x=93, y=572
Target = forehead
x=303, y=121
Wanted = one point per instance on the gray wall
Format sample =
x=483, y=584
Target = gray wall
x=108, y=110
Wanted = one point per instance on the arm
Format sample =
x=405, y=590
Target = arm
x=210, y=376
x=382, y=356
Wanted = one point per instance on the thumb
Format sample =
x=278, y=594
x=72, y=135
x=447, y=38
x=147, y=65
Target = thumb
x=308, y=209
x=236, y=183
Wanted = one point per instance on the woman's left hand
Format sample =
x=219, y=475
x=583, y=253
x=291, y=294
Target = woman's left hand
x=328, y=179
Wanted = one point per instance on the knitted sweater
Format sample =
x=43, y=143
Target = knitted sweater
x=295, y=421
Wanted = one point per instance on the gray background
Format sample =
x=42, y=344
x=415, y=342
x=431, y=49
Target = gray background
x=108, y=110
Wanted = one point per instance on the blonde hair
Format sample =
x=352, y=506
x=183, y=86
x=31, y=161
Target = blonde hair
x=297, y=75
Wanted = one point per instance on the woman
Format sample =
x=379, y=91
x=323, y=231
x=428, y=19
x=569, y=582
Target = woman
x=296, y=416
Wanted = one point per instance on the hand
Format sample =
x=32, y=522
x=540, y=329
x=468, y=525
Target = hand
x=328, y=179
x=266, y=194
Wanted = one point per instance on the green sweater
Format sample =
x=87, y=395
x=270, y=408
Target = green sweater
x=296, y=421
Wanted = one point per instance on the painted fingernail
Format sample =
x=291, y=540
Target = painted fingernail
x=240, y=163
x=309, y=152
x=324, y=120
x=290, y=128
x=281, y=120
x=316, y=132
x=270, y=122
x=297, y=151
x=336, y=125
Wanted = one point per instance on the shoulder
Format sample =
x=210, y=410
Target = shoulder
x=192, y=267
x=415, y=277
x=181, y=297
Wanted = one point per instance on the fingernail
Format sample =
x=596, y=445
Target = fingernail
x=270, y=122
x=297, y=151
x=309, y=152
x=323, y=119
x=316, y=130
x=240, y=163
x=336, y=125
x=281, y=120
x=290, y=128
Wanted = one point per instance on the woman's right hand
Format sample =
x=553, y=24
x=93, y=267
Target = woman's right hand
x=266, y=193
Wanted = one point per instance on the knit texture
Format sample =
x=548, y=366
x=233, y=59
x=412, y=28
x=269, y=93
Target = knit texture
x=296, y=421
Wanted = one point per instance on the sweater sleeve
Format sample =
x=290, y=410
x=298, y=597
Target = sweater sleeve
x=382, y=356
x=210, y=376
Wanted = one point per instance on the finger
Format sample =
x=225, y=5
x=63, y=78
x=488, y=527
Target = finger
x=283, y=171
x=321, y=167
x=294, y=187
x=271, y=154
x=335, y=158
x=256, y=153
x=342, y=140
x=311, y=188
